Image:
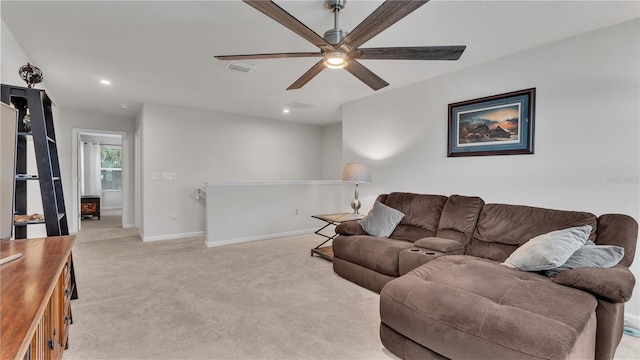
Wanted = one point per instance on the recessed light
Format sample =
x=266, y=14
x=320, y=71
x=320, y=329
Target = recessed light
x=298, y=105
x=124, y=106
x=286, y=111
x=105, y=82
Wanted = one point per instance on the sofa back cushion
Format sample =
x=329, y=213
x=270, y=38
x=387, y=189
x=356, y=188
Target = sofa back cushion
x=422, y=214
x=502, y=228
x=620, y=230
x=459, y=218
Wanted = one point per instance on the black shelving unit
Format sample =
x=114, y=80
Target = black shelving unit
x=37, y=105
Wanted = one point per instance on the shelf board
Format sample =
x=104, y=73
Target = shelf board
x=25, y=177
x=25, y=223
x=21, y=177
x=325, y=252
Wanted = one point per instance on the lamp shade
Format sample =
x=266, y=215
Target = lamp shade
x=358, y=173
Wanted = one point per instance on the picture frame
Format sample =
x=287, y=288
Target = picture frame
x=494, y=125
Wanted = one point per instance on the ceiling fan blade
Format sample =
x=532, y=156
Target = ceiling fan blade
x=268, y=56
x=411, y=53
x=387, y=14
x=365, y=75
x=278, y=14
x=306, y=77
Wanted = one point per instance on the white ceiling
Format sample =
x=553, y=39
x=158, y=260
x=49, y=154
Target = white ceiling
x=162, y=52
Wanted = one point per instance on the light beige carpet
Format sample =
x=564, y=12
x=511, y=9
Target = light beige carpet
x=177, y=299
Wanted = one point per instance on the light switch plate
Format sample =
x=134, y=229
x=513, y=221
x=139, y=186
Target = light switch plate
x=169, y=176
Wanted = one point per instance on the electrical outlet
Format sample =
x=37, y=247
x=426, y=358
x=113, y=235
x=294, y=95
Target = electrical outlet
x=297, y=212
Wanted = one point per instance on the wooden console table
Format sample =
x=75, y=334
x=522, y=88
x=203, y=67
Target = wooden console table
x=35, y=309
x=331, y=219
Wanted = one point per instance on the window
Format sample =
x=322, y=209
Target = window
x=111, y=167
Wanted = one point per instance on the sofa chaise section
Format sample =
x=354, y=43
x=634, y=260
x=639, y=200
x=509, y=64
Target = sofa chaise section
x=465, y=307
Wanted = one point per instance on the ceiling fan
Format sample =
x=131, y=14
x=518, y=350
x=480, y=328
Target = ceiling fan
x=339, y=49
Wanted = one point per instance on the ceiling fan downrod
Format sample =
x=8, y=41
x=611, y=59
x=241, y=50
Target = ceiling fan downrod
x=335, y=35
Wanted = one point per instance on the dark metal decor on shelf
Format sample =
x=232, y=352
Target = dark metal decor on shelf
x=31, y=74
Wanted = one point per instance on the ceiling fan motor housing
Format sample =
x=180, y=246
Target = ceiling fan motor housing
x=334, y=5
x=334, y=36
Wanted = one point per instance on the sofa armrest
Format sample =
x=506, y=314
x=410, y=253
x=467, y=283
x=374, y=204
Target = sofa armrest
x=439, y=244
x=350, y=228
x=615, y=283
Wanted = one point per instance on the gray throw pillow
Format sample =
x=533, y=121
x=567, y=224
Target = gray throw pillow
x=591, y=255
x=381, y=220
x=548, y=251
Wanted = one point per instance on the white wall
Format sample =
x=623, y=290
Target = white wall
x=332, y=152
x=587, y=153
x=111, y=199
x=201, y=146
x=12, y=57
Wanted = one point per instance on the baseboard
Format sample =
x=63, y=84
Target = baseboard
x=632, y=320
x=258, y=238
x=172, y=236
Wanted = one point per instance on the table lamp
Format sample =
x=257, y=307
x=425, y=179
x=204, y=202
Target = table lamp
x=357, y=173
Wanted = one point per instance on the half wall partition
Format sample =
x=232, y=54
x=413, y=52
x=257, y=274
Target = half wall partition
x=247, y=211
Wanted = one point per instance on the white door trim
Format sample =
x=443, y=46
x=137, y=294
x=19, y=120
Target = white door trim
x=74, y=222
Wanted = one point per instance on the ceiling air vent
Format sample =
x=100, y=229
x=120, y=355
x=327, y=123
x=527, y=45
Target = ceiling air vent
x=298, y=105
x=235, y=65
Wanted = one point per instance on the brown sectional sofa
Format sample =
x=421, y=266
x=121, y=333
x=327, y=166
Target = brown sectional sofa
x=444, y=294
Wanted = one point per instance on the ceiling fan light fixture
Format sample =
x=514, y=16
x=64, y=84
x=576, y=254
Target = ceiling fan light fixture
x=340, y=49
x=335, y=60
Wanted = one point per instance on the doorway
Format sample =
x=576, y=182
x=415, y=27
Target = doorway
x=100, y=191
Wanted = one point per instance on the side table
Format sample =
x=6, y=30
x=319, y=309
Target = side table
x=90, y=206
x=331, y=219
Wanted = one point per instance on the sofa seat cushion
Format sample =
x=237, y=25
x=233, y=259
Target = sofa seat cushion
x=375, y=253
x=467, y=307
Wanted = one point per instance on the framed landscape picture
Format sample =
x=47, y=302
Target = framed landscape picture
x=494, y=125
